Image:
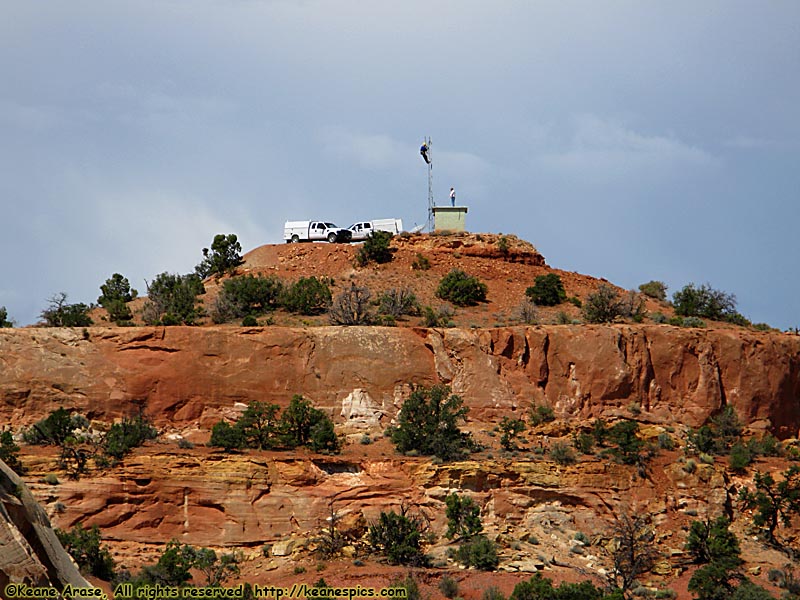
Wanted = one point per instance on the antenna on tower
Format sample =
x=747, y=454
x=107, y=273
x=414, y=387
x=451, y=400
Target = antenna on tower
x=425, y=151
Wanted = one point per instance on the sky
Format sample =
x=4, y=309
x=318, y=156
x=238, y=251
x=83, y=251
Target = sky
x=628, y=140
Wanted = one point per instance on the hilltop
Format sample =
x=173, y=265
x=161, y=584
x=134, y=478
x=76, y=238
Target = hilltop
x=545, y=516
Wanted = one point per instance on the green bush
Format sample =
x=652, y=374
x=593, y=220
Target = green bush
x=4, y=322
x=173, y=300
x=54, y=429
x=603, y=306
x=260, y=426
x=307, y=296
x=428, y=424
x=562, y=453
x=461, y=289
x=654, y=289
x=399, y=538
x=704, y=302
x=116, y=293
x=375, y=249
x=127, y=435
x=437, y=318
x=61, y=314
x=511, y=428
x=547, y=290
x=9, y=452
x=247, y=295
x=226, y=436
x=463, y=517
x=224, y=257
x=421, y=263
x=449, y=587
x=84, y=546
x=629, y=446
x=479, y=552
x=540, y=413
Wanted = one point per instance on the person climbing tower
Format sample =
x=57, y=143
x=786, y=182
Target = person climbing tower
x=424, y=152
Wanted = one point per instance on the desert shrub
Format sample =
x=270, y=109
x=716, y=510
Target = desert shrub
x=123, y=437
x=323, y=436
x=421, y=263
x=738, y=319
x=84, y=546
x=696, y=322
x=398, y=302
x=511, y=428
x=461, y=289
x=774, y=502
x=249, y=321
x=449, y=587
x=173, y=300
x=562, y=453
x=298, y=420
x=307, y=296
x=603, y=306
x=4, y=322
x=654, y=289
x=768, y=445
x=59, y=313
x=226, y=436
x=479, y=552
x=562, y=318
x=665, y=441
x=628, y=444
x=740, y=457
x=53, y=429
x=9, y=452
x=116, y=293
x=526, y=312
x=463, y=517
x=247, y=295
x=399, y=538
x=704, y=302
x=224, y=257
x=177, y=562
x=351, y=307
x=375, y=249
x=260, y=426
x=428, y=423
x=540, y=413
x=437, y=318
x=547, y=290
x=409, y=585
x=583, y=442
x=658, y=318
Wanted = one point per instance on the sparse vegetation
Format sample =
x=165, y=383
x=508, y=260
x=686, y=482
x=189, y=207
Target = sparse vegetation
x=307, y=296
x=562, y=453
x=421, y=263
x=246, y=296
x=375, y=249
x=116, y=293
x=461, y=289
x=547, y=290
x=774, y=502
x=399, y=538
x=84, y=546
x=60, y=313
x=478, y=551
x=173, y=300
x=540, y=413
x=398, y=302
x=463, y=517
x=127, y=435
x=654, y=289
x=9, y=452
x=704, y=302
x=428, y=424
x=351, y=307
x=511, y=429
x=224, y=257
x=4, y=321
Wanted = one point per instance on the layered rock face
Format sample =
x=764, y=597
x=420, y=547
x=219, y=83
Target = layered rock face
x=182, y=376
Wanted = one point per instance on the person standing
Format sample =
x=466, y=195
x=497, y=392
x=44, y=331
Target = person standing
x=452, y=197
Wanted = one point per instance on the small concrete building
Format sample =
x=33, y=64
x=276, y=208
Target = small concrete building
x=449, y=218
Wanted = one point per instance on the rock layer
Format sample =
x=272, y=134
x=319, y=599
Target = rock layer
x=183, y=376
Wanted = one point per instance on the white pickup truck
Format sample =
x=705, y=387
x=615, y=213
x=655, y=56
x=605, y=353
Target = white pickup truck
x=314, y=231
x=361, y=229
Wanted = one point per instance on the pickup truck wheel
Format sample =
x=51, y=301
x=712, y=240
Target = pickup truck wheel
x=331, y=238
x=295, y=238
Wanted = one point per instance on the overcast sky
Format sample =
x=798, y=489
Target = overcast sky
x=628, y=140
